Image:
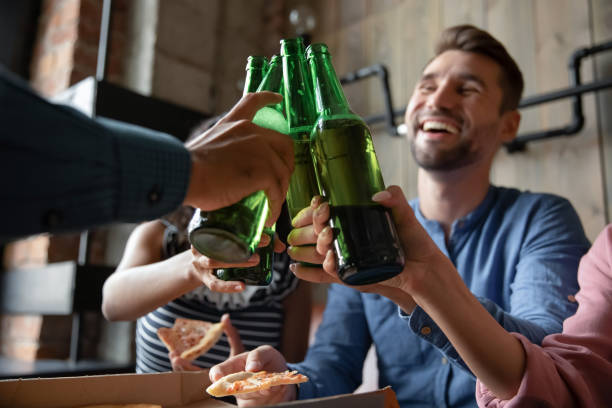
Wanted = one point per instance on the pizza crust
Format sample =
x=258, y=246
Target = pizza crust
x=244, y=382
x=191, y=338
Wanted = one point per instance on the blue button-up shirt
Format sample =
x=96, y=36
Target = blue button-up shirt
x=517, y=252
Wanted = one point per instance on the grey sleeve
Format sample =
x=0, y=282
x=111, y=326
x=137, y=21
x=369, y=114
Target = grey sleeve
x=64, y=171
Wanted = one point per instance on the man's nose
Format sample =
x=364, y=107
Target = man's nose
x=443, y=97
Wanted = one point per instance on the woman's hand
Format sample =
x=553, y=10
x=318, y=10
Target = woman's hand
x=202, y=268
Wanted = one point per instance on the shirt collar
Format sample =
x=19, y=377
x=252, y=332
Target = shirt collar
x=464, y=222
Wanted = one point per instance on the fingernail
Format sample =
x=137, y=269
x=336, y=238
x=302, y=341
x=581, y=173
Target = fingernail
x=314, y=200
x=237, y=287
x=251, y=366
x=292, y=267
x=321, y=208
x=381, y=196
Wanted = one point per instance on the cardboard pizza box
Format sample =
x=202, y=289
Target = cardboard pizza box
x=171, y=390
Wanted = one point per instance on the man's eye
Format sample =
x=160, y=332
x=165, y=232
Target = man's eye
x=467, y=90
x=427, y=88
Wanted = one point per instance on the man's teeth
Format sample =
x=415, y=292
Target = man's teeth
x=433, y=125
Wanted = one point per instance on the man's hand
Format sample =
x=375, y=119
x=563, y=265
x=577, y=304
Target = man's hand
x=262, y=358
x=311, y=227
x=235, y=158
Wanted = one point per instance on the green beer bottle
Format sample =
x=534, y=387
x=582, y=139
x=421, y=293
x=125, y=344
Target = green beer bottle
x=260, y=274
x=301, y=116
x=365, y=239
x=255, y=70
x=231, y=234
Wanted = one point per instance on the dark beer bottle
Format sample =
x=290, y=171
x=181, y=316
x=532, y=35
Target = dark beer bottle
x=258, y=275
x=231, y=234
x=301, y=115
x=365, y=239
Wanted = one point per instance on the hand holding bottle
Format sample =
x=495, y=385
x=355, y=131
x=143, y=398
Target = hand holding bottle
x=311, y=227
x=265, y=358
x=236, y=158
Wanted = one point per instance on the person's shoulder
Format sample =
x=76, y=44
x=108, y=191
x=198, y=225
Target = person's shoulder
x=526, y=199
x=603, y=243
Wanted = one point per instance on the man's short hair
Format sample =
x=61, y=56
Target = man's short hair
x=472, y=39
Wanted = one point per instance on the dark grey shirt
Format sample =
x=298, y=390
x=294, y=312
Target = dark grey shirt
x=61, y=170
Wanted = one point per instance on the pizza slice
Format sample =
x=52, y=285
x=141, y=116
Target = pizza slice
x=243, y=382
x=190, y=338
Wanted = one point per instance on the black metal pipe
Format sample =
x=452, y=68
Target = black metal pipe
x=529, y=101
x=382, y=73
x=519, y=144
x=565, y=93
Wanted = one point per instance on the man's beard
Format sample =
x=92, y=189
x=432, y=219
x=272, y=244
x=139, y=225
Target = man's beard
x=459, y=156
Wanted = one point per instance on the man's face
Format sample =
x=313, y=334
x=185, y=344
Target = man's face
x=454, y=112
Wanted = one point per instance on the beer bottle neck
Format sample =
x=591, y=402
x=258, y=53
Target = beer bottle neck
x=256, y=68
x=273, y=117
x=300, y=106
x=273, y=80
x=329, y=95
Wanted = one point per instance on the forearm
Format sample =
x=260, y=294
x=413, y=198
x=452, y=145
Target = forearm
x=131, y=293
x=493, y=355
x=72, y=172
x=476, y=336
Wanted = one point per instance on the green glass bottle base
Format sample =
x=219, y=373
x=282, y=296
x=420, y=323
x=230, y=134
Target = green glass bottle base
x=367, y=246
x=351, y=275
x=220, y=245
x=250, y=276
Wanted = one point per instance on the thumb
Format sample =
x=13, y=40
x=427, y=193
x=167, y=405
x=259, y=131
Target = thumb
x=253, y=362
x=416, y=242
x=250, y=103
x=394, y=199
x=403, y=216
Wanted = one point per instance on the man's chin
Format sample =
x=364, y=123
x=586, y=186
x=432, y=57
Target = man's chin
x=441, y=160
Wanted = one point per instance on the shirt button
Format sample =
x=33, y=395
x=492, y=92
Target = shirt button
x=425, y=330
x=444, y=360
x=52, y=218
x=154, y=195
x=571, y=298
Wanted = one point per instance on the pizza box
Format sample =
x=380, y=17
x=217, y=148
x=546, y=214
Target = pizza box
x=171, y=390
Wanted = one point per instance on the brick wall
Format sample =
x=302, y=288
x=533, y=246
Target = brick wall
x=65, y=52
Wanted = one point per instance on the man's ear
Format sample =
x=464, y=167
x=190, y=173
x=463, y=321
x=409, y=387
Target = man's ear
x=510, y=125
